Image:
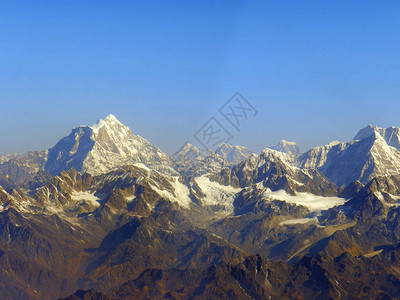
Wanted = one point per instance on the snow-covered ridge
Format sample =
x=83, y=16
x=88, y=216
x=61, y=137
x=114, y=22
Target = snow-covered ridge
x=8, y=156
x=194, y=162
x=108, y=145
x=373, y=152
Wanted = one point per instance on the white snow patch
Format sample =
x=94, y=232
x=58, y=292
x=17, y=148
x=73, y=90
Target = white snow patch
x=130, y=198
x=181, y=193
x=313, y=202
x=297, y=221
x=86, y=196
x=142, y=166
x=217, y=194
x=297, y=182
x=380, y=197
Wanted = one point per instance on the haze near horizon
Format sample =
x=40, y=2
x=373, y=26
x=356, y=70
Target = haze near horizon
x=315, y=72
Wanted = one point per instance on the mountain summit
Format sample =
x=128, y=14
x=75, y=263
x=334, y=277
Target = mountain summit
x=233, y=154
x=104, y=146
x=287, y=147
x=391, y=135
x=373, y=152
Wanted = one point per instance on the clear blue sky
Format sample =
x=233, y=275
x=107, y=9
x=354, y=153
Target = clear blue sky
x=315, y=70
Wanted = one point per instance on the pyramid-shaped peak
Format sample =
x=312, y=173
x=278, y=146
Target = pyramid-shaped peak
x=233, y=154
x=109, y=121
x=287, y=147
x=369, y=131
x=391, y=135
x=104, y=146
x=111, y=118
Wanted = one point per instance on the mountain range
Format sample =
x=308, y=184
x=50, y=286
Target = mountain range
x=104, y=214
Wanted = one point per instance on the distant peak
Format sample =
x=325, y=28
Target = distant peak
x=287, y=147
x=225, y=146
x=188, y=147
x=285, y=142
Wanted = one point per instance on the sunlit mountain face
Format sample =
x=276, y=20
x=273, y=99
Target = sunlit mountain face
x=104, y=214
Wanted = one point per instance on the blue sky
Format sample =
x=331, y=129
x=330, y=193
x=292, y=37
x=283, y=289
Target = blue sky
x=316, y=71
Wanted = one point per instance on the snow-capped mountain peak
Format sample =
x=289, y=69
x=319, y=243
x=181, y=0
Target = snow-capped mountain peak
x=190, y=150
x=102, y=147
x=368, y=131
x=373, y=152
x=110, y=121
x=192, y=161
x=287, y=147
x=115, y=137
x=391, y=135
x=233, y=154
x=111, y=118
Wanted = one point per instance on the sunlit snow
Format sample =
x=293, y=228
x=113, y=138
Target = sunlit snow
x=298, y=221
x=181, y=193
x=313, y=202
x=86, y=196
x=217, y=194
x=130, y=198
